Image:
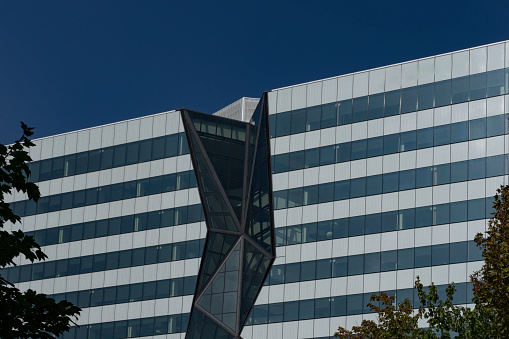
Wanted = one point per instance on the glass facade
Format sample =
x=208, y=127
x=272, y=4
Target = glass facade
x=232, y=166
x=184, y=224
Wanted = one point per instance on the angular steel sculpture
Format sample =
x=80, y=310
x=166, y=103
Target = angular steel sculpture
x=232, y=166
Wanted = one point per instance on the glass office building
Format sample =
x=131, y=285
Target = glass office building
x=188, y=225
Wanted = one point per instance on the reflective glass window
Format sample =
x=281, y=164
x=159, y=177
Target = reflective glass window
x=405, y=258
x=292, y=273
x=372, y=262
x=460, y=88
x=157, y=148
x=328, y=115
x=171, y=145
x=297, y=160
x=324, y=230
x=495, y=166
x=458, y=211
x=374, y=184
x=57, y=168
x=343, y=152
x=312, y=157
x=355, y=304
x=344, y=112
x=406, y=219
x=356, y=226
x=408, y=141
x=423, y=216
x=477, y=129
x=476, y=209
x=338, y=306
x=326, y=192
x=474, y=252
x=392, y=101
x=441, y=214
x=94, y=160
x=132, y=153
x=119, y=155
x=339, y=267
x=340, y=228
x=407, y=180
x=145, y=150
x=424, y=177
x=373, y=223
x=478, y=86
x=442, y=135
x=495, y=83
x=310, y=195
x=322, y=308
x=477, y=168
x=357, y=187
x=298, y=121
x=388, y=261
x=458, y=252
x=408, y=99
x=309, y=232
x=355, y=264
x=442, y=93
x=327, y=155
x=341, y=190
x=107, y=158
x=360, y=109
x=426, y=96
x=459, y=132
x=81, y=162
x=375, y=146
x=376, y=106
x=496, y=125
x=275, y=312
x=308, y=270
x=389, y=221
x=422, y=256
x=291, y=311
x=359, y=148
x=45, y=170
x=440, y=254
x=391, y=143
x=280, y=163
x=313, y=118
x=390, y=182
x=425, y=138
x=442, y=174
x=459, y=171
x=283, y=124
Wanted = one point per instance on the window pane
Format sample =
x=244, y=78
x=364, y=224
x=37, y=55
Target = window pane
x=283, y=124
x=371, y=263
x=376, y=106
x=478, y=86
x=343, y=152
x=298, y=121
x=422, y=256
x=119, y=156
x=459, y=132
x=360, y=109
x=375, y=147
x=408, y=99
x=407, y=180
x=355, y=264
x=297, y=160
x=426, y=96
x=312, y=157
x=328, y=115
x=392, y=100
x=477, y=129
x=373, y=223
x=344, y=112
x=424, y=138
x=495, y=126
x=390, y=182
x=391, y=143
x=442, y=135
x=94, y=160
x=359, y=149
x=460, y=90
x=313, y=117
x=496, y=82
x=374, y=184
x=408, y=141
x=327, y=155
x=443, y=93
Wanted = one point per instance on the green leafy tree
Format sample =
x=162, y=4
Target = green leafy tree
x=25, y=314
x=491, y=283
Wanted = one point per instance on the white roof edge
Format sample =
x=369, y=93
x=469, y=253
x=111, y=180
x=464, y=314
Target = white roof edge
x=386, y=66
x=109, y=124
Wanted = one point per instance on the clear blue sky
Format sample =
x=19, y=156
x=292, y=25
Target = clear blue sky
x=67, y=65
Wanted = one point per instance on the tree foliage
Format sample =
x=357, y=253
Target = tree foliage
x=487, y=318
x=25, y=314
x=491, y=283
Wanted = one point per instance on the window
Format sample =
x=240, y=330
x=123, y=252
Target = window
x=376, y=106
x=460, y=90
x=443, y=93
x=313, y=118
x=392, y=101
x=328, y=115
x=360, y=109
x=298, y=121
x=426, y=96
x=408, y=100
x=344, y=112
x=478, y=86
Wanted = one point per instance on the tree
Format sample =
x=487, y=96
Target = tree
x=491, y=283
x=488, y=318
x=24, y=314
